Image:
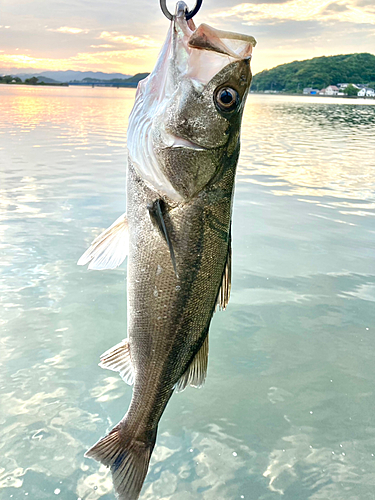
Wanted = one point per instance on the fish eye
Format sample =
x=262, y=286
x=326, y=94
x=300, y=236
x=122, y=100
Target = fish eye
x=226, y=98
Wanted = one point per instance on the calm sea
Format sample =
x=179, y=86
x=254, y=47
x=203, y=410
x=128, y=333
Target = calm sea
x=288, y=410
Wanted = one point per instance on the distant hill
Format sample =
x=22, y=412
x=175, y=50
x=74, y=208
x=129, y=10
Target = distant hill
x=132, y=79
x=318, y=72
x=136, y=78
x=115, y=82
x=69, y=75
x=75, y=78
x=44, y=79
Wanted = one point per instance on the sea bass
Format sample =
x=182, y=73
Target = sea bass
x=183, y=142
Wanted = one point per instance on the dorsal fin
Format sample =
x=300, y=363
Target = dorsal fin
x=195, y=375
x=156, y=210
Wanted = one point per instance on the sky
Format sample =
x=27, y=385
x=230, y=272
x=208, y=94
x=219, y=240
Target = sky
x=124, y=36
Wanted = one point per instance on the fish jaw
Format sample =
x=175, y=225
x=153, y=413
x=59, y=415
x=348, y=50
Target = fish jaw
x=164, y=117
x=193, y=138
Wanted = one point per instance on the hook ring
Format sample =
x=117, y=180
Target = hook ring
x=189, y=14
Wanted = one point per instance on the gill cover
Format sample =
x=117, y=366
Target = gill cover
x=189, y=57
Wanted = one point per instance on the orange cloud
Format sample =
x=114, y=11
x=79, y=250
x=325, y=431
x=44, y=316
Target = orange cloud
x=300, y=10
x=102, y=46
x=71, y=31
x=124, y=61
x=116, y=37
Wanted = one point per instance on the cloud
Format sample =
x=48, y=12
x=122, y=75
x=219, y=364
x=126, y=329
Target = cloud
x=336, y=7
x=299, y=10
x=71, y=31
x=127, y=38
x=137, y=41
x=103, y=46
x=129, y=61
x=365, y=3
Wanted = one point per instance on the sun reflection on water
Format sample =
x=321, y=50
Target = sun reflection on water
x=287, y=408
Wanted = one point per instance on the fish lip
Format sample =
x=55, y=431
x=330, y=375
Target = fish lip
x=180, y=142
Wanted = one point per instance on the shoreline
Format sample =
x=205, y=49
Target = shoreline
x=311, y=95
x=74, y=84
x=134, y=85
x=36, y=84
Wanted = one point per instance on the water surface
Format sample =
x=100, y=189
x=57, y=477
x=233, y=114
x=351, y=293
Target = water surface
x=288, y=407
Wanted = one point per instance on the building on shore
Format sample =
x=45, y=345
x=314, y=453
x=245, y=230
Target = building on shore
x=330, y=90
x=366, y=92
x=310, y=91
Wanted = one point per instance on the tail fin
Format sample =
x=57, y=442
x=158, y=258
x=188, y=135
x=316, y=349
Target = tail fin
x=127, y=459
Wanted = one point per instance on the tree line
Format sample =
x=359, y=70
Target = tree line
x=319, y=73
x=15, y=80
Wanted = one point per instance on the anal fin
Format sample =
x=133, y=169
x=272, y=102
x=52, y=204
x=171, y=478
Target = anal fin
x=118, y=359
x=110, y=248
x=226, y=282
x=195, y=375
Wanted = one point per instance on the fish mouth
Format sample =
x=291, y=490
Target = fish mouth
x=200, y=53
x=179, y=142
x=191, y=56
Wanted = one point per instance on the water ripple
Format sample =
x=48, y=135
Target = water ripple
x=287, y=410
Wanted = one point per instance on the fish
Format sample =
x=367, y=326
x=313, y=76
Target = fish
x=183, y=144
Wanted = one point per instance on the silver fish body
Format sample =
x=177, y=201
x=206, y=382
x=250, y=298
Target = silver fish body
x=179, y=202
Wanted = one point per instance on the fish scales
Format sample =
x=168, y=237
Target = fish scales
x=177, y=313
x=184, y=142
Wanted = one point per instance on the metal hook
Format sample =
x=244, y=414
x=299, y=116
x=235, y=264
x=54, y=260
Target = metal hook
x=189, y=15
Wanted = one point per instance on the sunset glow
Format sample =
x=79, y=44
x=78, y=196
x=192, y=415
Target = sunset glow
x=137, y=41
x=299, y=10
x=127, y=40
x=132, y=61
x=72, y=31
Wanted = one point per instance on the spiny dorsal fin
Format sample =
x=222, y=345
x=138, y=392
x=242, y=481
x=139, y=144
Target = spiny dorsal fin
x=118, y=359
x=156, y=212
x=195, y=375
x=110, y=248
x=226, y=283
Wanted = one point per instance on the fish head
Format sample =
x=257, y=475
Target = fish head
x=187, y=114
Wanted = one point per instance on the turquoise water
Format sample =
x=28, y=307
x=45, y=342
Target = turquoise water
x=287, y=411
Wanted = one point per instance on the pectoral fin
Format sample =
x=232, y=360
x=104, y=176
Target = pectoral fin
x=195, y=375
x=156, y=210
x=118, y=359
x=110, y=248
x=224, y=292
